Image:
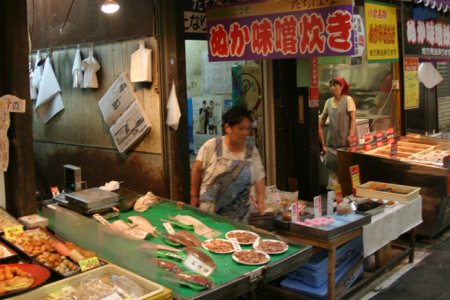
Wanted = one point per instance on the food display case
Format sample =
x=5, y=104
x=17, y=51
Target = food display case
x=230, y=276
x=420, y=162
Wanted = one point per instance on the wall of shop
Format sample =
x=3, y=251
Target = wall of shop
x=443, y=97
x=78, y=135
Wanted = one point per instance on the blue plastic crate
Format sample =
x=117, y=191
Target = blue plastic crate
x=315, y=271
x=321, y=291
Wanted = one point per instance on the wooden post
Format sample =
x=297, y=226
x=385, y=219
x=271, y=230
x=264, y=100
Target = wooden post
x=20, y=187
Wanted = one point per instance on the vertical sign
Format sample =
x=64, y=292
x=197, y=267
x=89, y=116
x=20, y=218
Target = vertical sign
x=317, y=206
x=367, y=141
x=314, y=88
x=379, y=139
x=411, y=82
x=393, y=152
x=381, y=28
x=355, y=176
x=390, y=137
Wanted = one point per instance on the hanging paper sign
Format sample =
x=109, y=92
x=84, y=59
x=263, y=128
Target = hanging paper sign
x=355, y=176
x=379, y=139
x=274, y=194
x=367, y=141
x=390, y=138
x=381, y=27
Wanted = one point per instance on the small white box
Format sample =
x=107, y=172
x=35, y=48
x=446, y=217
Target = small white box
x=34, y=220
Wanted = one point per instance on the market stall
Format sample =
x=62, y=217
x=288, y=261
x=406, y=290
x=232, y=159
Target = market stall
x=230, y=276
x=346, y=244
x=419, y=162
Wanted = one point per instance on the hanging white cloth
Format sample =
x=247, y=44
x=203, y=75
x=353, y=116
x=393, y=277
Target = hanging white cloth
x=173, y=109
x=77, y=72
x=36, y=75
x=33, y=90
x=141, y=64
x=90, y=66
x=49, y=101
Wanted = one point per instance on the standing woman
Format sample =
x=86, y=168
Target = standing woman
x=341, y=110
x=226, y=168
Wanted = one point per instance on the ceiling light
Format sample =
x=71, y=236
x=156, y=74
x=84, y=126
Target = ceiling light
x=110, y=6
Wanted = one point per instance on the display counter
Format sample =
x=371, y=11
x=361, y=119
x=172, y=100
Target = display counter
x=411, y=168
x=230, y=279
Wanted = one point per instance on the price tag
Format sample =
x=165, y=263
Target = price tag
x=11, y=232
x=330, y=203
x=89, y=263
x=256, y=242
x=355, y=176
x=235, y=243
x=114, y=296
x=169, y=228
x=294, y=212
x=352, y=143
x=337, y=192
x=379, y=139
x=274, y=194
x=317, y=206
x=367, y=141
x=393, y=152
x=390, y=135
x=196, y=265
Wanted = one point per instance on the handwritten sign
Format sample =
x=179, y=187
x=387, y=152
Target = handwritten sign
x=235, y=243
x=367, y=141
x=330, y=203
x=355, y=176
x=198, y=266
x=317, y=206
x=379, y=139
x=169, y=228
x=89, y=263
x=11, y=232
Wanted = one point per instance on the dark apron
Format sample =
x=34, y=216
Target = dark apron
x=338, y=130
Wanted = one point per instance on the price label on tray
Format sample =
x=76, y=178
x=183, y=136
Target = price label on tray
x=89, y=263
x=198, y=266
x=235, y=243
x=11, y=232
x=169, y=228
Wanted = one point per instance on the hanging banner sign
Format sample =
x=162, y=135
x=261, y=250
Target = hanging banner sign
x=411, y=82
x=381, y=31
x=270, y=29
x=425, y=36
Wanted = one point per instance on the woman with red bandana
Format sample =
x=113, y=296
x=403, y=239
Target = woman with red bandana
x=341, y=110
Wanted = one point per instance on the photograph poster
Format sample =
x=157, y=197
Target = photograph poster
x=206, y=118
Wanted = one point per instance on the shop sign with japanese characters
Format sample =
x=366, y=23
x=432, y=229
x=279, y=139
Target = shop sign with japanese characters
x=280, y=29
x=381, y=31
x=426, y=37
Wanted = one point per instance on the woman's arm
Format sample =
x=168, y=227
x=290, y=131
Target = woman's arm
x=260, y=188
x=352, y=132
x=196, y=177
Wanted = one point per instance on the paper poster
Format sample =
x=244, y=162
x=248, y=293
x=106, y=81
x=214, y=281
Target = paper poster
x=207, y=111
x=411, y=81
x=381, y=31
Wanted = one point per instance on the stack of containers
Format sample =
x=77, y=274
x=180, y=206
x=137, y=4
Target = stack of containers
x=312, y=278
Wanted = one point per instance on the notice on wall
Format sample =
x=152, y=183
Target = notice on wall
x=123, y=114
x=411, y=80
x=8, y=103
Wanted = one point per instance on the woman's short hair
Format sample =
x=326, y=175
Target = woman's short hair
x=236, y=114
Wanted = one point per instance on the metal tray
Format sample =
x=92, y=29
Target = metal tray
x=341, y=225
x=374, y=211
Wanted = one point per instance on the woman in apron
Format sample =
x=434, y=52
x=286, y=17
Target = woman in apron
x=226, y=168
x=341, y=110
